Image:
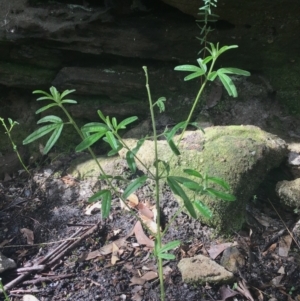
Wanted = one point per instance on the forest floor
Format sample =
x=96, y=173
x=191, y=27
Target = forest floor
x=45, y=223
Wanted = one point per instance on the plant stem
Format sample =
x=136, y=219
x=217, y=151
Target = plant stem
x=109, y=181
x=3, y=291
x=158, y=235
x=13, y=144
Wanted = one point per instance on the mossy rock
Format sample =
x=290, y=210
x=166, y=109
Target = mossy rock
x=241, y=155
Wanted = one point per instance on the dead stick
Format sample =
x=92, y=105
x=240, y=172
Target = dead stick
x=50, y=278
x=31, y=269
x=23, y=276
x=74, y=244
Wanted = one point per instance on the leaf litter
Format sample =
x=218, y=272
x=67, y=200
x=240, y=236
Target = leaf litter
x=109, y=264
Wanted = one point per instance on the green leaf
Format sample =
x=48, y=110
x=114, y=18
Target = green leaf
x=166, y=256
x=39, y=133
x=172, y=133
x=50, y=118
x=225, y=48
x=122, y=124
x=236, y=71
x=160, y=104
x=190, y=68
x=105, y=195
x=169, y=246
x=202, y=65
x=66, y=92
x=194, y=186
x=42, y=109
x=194, y=75
x=114, y=122
x=130, y=161
x=55, y=94
x=69, y=101
x=10, y=121
x=173, y=147
x=45, y=98
x=106, y=204
x=207, y=59
x=193, y=172
x=133, y=186
x=88, y=141
x=228, y=84
x=53, y=138
x=219, y=181
x=114, y=151
x=111, y=140
x=221, y=195
x=175, y=187
x=42, y=92
x=94, y=127
x=97, y=196
x=101, y=116
x=212, y=76
x=204, y=210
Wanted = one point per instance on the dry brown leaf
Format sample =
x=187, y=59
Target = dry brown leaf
x=215, y=250
x=149, y=276
x=284, y=245
x=136, y=289
x=92, y=207
x=137, y=280
x=4, y=242
x=226, y=292
x=28, y=234
x=150, y=224
x=194, y=249
x=281, y=270
x=132, y=202
x=90, y=255
x=114, y=256
x=141, y=236
x=270, y=249
x=276, y=281
x=243, y=289
x=108, y=249
x=167, y=270
x=145, y=211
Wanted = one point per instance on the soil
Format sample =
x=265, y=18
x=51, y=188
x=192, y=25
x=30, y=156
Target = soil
x=53, y=205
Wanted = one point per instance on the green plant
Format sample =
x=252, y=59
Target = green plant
x=3, y=291
x=108, y=130
x=206, y=17
x=8, y=132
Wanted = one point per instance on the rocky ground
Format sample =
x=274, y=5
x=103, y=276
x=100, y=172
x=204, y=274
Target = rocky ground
x=45, y=222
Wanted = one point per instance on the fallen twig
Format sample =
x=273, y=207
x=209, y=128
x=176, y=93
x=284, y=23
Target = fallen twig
x=54, y=255
x=49, y=278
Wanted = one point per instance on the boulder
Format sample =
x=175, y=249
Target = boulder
x=241, y=155
x=201, y=269
x=289, y=193
x=6, y=263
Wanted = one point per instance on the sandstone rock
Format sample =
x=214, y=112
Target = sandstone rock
x=201, y=269
x=232, y=259
x=241, y=155
x=289, y=193
x=6, y=263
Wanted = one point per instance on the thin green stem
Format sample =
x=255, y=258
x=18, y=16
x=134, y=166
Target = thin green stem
x=14, y=146
x=6, y=298
x=157, y=199
x=109, y=181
